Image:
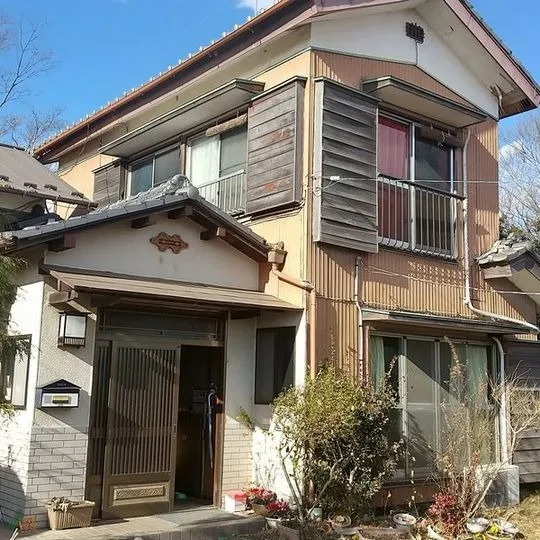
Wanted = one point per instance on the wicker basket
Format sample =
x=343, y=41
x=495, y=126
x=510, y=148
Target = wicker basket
x=74, y=517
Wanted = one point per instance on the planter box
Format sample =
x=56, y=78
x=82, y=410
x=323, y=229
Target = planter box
x=72, y=518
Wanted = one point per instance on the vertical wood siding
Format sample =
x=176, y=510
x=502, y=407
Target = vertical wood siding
x=401, y=280
x=345, y=211
x=109, y=183
x=274, y=170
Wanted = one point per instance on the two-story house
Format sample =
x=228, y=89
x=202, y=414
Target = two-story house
x=341, y=164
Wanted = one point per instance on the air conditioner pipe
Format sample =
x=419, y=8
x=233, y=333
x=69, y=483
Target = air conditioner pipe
x=361, y=367
x=503, y=418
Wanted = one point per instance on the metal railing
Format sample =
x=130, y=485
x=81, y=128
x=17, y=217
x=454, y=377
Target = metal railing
x=227, y=192
x=417, y=217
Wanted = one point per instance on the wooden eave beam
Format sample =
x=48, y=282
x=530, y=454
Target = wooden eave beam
x=142, y=222
x=215, y=232
x=67, y=241
x=185, y=211
x=60, y=299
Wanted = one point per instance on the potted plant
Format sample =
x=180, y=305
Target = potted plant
x=278, y=511
x=257, y=499
x=64, y=513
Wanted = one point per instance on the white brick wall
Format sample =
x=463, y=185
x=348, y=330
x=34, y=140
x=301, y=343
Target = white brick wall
x=237, y=456
x=57, y=468
x=14, y=452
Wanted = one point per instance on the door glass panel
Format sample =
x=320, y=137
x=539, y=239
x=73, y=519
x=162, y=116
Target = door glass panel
x=167, y=165
x=203, y=160
x=421, y=429
x=141, y=176
x=452, y=364
x=420, y=371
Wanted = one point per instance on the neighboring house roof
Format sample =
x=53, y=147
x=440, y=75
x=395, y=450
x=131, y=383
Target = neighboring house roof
x=20, y=173
x=172, y=196
x=283, y=15
x=516, y=260
x=506, y=250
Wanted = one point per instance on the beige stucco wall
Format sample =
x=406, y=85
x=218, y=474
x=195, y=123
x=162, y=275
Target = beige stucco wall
x=129, y=251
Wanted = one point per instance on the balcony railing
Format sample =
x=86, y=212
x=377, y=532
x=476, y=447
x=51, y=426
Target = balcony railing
x=417, y=217
x=227, y=192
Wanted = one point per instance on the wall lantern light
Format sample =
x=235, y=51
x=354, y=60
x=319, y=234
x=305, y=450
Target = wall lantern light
x=72, y=329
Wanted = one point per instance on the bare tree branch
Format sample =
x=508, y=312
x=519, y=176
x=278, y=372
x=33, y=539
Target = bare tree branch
x=520, y=179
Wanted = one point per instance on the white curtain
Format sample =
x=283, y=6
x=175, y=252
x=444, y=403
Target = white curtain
x=203, y=163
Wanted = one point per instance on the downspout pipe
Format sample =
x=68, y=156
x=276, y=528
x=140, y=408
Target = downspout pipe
x=527, y=327
x=361, y=367
x=503, y=412
x=312, y=311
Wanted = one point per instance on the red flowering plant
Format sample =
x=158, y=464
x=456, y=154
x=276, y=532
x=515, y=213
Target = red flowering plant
x=278, y=509
x=258, y=495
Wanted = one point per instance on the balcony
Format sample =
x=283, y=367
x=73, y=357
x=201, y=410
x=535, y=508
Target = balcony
x=415, y=217
x=227, y=193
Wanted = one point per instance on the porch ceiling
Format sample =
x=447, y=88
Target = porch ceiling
x=166, y=290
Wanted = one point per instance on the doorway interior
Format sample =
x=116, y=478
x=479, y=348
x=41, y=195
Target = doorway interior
x=199, y=424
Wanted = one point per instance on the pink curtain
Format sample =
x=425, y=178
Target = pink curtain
x=393, y=149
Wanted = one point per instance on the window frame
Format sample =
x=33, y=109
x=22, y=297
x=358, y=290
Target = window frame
x=402, y=402
x=275, y=391
x=152, y=155
x=408, y=183
x=201, y=135
x=28, y=338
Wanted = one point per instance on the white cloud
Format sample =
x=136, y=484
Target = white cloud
x=510, y=149
x=254, y=5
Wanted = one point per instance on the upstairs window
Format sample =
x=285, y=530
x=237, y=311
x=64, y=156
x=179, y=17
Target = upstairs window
x=154, y=169
x=217, y=166
x=416, y=189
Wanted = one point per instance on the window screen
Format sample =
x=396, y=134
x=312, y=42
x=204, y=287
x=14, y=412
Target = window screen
x=274, y=366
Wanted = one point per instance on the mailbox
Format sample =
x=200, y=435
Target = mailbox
x=60, y=393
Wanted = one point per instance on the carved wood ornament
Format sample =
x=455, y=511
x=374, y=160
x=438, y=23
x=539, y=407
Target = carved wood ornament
x=174, y=242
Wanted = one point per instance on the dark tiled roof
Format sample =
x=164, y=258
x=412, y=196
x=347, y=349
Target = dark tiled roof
x=21, y=173
x=172, y=194
x=507, y=249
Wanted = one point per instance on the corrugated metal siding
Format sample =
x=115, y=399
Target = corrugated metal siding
x=394, y=279
x=337, y=317
x=345, y=212
x=351, y=70
x=523, y=361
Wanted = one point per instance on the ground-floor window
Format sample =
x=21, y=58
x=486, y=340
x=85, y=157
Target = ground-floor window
x=14, y=360
x=420, y=370
x=274, y=362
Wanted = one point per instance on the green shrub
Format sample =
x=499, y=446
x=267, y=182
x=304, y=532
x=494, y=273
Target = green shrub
x=335, y=437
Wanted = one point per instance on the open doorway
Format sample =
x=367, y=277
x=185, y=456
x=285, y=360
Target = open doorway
x=199, y=425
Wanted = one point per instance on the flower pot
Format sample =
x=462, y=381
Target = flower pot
x=272, y=522
x=260, y=509
x=404, y=522
x=77, y=516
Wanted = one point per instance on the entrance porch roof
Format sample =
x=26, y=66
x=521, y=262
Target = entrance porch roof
x=199, y=294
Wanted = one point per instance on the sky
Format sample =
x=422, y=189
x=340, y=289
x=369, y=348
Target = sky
x=105, y=47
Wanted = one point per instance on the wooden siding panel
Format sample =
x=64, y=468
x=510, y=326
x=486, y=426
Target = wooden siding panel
x=274, y=170
x=345, y=146
x=109, y=183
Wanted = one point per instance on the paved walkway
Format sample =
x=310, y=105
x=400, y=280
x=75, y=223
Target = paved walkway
x=203, y=523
